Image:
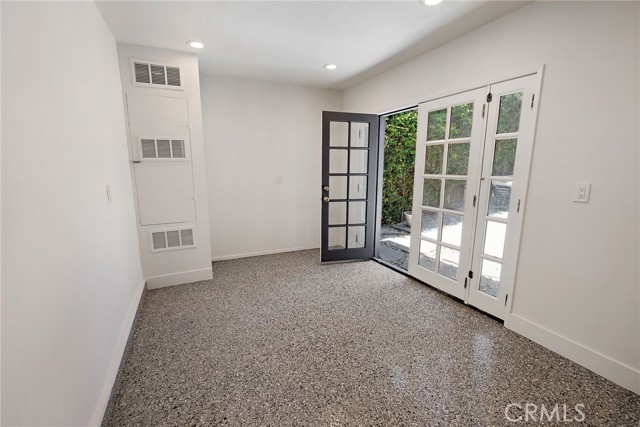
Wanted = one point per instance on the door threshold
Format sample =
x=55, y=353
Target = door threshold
x=391, y=266
x=342, y=261
x=406, y=273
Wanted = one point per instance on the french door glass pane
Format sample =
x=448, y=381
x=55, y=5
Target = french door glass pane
x=358, y=161
x=429, y=224
x=433, y=159
x=359, y=134
x=494, y=238
x=356, y=237
x=490, y=278
x=458, y=159
x=428, y=255
x=338, y=134
x=454, y=194
x=357, y=212
x=509, y=113
x=337, y=238
x=431, y=193
x=337, y=213
x=449, y=261
x=499, y=198
x=357, y=187
x=338, y=161
x=337, y=187
x=452, y=229
x=461, y=121
x=436, y=125
x=504, y=157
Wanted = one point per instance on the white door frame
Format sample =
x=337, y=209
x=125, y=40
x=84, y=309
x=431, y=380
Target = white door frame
x=538, y=71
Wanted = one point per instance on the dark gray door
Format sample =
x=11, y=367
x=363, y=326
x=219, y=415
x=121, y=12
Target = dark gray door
x=349, y=170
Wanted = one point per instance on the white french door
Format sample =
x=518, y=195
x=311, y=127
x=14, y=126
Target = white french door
x=472, y=165
x=505, y=171
x=447, y=169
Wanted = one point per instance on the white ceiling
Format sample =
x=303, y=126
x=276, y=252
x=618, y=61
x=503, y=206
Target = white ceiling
x=290, y=41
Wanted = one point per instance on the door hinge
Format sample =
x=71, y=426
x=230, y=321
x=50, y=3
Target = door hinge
x=533, y=97
x=489, y=97
x=465, y=282
x=470, y=274
x=506, y=298
x=518, y=210
x=473, y=205
x=483, y=108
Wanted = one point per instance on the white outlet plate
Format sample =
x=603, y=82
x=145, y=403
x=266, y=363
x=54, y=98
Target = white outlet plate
x=279, y=179
x=582, y=192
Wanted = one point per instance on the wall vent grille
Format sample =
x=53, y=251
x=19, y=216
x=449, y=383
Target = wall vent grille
x=170, y=239
x=156, y=75
x=163, y=148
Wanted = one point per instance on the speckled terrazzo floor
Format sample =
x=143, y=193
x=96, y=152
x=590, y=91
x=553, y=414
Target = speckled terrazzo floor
x=281, y=340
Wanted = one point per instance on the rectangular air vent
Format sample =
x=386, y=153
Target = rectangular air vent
x=163, y=148
x=156, y=75
x=173, y=76
x=166, y=240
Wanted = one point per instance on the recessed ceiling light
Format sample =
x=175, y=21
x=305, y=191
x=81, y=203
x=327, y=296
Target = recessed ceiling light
x=195, y=44
x=330, y=66
x=430, y=2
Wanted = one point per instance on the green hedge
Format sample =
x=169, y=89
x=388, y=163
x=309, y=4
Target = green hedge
x=399, y=160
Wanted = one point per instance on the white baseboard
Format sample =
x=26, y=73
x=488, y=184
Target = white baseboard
x=164, y=280
x=611, y=369
x=270, y=252
x=116, y=359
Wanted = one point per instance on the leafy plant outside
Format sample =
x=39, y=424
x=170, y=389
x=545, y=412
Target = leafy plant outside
x=399, y=153
x=399, y=161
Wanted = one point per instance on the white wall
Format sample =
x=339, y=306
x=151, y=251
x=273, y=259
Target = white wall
x=186, y=265
x=254, y=132
x=72, y=278
x=577, y=283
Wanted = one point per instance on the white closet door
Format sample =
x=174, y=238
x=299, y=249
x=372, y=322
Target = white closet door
x=163, y=173
x=447, y=169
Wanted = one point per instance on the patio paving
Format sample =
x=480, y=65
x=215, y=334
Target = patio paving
x=394, y=245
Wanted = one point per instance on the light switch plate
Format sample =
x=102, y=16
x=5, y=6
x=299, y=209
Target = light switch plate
x=582, y=192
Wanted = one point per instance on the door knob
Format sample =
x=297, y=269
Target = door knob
x=325, y=188
x=325, y=199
